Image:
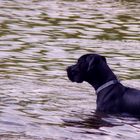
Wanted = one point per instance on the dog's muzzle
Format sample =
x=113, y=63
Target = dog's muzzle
x=73, y=73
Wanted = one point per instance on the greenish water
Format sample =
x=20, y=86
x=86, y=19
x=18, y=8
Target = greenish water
x=38, y=40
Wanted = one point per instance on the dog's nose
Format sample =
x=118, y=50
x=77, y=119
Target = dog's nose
x=72, y=69
x=68, y=68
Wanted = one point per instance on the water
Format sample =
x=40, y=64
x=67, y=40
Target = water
x=38, y=40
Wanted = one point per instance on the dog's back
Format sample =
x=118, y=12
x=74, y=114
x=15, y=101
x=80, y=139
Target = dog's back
x=131, y=101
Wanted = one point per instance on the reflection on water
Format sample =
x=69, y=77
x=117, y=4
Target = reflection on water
x=38, y=40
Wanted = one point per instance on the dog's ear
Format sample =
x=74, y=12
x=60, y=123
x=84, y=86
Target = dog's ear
x=91, y=64
x=94, y=61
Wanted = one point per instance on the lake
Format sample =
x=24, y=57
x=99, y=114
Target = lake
x=38, y=40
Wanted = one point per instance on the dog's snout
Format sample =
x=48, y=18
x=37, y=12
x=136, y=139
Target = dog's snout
x=68, y=68
x=72, y=68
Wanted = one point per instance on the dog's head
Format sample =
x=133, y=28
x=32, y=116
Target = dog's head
x=86, y=66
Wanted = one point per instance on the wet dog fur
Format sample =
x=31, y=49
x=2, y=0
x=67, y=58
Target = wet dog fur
x=116, y=98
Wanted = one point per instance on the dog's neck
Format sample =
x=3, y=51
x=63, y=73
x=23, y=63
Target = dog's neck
x=98, y=85
x=112, y=82
x=102, y=76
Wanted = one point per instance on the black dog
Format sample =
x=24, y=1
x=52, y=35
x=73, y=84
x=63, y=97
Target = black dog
x=112, y=96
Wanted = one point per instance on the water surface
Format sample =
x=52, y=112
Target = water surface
x=38, y=40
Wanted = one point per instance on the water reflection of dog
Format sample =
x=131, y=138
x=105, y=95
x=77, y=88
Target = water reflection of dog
x=95, y=121
x=112, y=96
